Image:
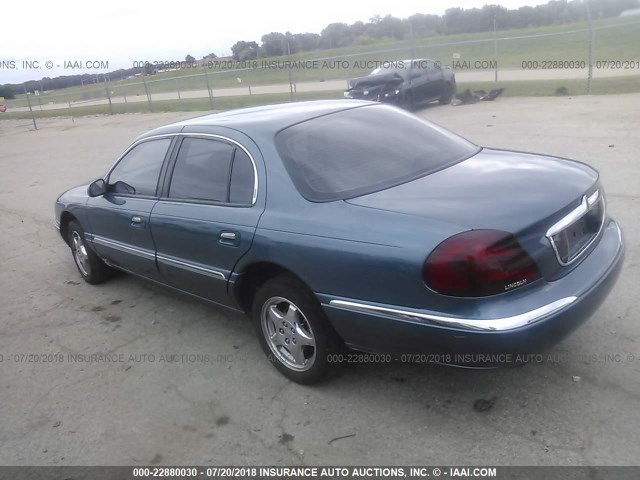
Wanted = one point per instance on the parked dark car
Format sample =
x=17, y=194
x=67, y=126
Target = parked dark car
x=405, y=83
x=350, y=223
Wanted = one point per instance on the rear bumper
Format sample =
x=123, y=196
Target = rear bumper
x=544, y=317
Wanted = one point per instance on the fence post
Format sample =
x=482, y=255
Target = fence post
x=346, y=74
x=71, y=112
x=591, y=42
x=209, y=90
x=495, y=58
x=290, y=72
x=109, y=98
x=413, y=42
x=179, y=96
x=146, y=89
x=495, y=49
x=248, y=80
x=30, y=109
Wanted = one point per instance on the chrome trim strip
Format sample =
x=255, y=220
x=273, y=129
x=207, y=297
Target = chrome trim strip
x=254, y=197
x=122, y=247
x=593, y=198
x=191, y=267
x=489, y=325
x=572, y=217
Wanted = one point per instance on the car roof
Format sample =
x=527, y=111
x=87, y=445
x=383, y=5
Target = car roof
x=409, y=61
x=266, y=119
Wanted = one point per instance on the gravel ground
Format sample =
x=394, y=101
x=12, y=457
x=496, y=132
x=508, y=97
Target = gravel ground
x=235, y=408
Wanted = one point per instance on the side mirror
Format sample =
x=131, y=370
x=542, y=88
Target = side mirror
x=97, y=187
x=122, y=187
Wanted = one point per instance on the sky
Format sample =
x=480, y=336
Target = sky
x=121, y=32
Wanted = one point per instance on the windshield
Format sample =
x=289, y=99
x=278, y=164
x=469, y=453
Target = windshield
x=362, y=150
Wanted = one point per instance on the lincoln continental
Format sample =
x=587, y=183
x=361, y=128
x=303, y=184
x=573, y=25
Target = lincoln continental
x=348, y=225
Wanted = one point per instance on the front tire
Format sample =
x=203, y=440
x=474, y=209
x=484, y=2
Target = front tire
x=92, y=269
x=447, y=96
x=407, y=102
x=294, y=331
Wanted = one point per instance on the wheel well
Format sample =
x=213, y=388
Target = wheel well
x=65, y=219
x=253, y=278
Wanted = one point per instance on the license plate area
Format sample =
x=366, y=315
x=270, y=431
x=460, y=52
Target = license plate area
x=573, y=238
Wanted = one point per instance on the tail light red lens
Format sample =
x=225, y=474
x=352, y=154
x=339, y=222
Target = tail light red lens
x=478, y=263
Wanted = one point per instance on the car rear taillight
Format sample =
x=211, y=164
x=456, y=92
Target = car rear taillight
x=478, y=263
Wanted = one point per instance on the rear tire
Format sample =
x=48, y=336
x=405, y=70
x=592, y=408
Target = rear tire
x=294, y=332
x=92, y=269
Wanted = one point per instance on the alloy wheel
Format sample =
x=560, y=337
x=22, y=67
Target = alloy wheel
x=288, y=334
x=80, y=254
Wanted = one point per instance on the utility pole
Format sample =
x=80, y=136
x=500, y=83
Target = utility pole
x=495, y=47
x=592, y=39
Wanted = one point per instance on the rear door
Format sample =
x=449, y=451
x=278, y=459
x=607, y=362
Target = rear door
x=207, y=215
x=120, y=219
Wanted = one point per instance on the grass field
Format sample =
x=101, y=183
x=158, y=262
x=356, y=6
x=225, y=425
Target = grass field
x=619, y=43
x=187, y=105
x=512, y=89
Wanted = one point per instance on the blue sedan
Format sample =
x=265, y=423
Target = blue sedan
x=343, y=226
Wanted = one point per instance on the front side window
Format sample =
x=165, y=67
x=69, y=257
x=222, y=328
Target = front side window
x=138, y=171
x=212, y=170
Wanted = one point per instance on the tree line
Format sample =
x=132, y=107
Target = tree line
x=454, y=21
x=10, y=90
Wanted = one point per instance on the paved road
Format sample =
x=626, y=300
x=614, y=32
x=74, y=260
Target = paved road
x=333, y=85
x=235, y=408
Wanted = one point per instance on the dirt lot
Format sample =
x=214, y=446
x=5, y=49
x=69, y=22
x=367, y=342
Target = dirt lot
x=235, y=408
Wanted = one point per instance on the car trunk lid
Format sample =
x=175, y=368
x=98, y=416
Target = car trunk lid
x=520, y=193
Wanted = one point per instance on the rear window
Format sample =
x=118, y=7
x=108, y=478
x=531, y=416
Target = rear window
x=363, y=150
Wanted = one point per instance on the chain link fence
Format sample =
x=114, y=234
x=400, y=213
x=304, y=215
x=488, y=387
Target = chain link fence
x=578, y=55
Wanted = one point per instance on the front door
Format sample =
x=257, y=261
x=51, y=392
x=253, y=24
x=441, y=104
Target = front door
x=434, y=81
x=120, y=219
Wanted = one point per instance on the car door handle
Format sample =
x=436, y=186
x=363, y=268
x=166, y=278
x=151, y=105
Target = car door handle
x=136, y=220
x=230, y=239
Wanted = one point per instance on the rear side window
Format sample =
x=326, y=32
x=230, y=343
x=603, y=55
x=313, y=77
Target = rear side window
x=242, y=179
x=138, y=171
x=363, y=150
x=212, y=170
